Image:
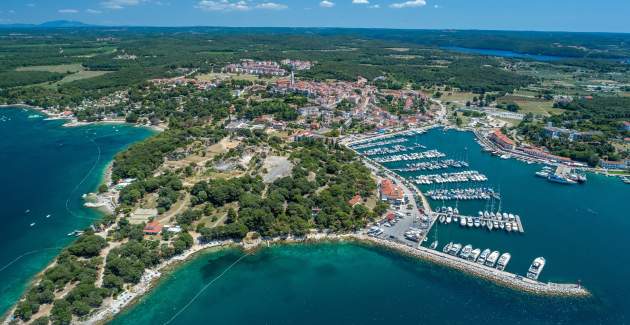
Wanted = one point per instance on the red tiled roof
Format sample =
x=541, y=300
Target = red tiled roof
x=390, y=190
x=153, y=228
x=355, y=200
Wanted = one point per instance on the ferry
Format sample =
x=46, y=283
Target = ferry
x=484, y=255
x=503, y=261
x=492, y=259
x=466, y=251
x=536, y=267
x=474, y=255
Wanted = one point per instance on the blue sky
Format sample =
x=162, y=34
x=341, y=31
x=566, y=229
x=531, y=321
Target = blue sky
x=562, y=15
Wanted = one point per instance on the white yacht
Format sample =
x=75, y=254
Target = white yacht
x=466, y=251
x=503, y=261
x=492, y=259
x=474, y=255
x=537, y=266
x=484, y=255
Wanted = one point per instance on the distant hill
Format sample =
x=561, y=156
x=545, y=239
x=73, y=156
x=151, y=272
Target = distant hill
x=49, y=24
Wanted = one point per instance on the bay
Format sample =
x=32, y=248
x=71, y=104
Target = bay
x=45, y=168
x=580, y=230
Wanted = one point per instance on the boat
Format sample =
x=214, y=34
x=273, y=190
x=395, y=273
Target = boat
x=508, y=226
x=555, y=178
x=47, y=216
x=455, y=249
x=442, y=219
x=75, y=233
x=27, y=211
x=448, y=219
x=32, y=224
x=469, y=221
x=502, y=225
x=483, y=223
x=476, y=222
x=474, y=255
x=625, y=179
x=490, y=226
x=466, y=251
x=495, y=224
x=434, y=244
x=447, y=248
x=542, y=173
x=462, y=221
x=492, y=259
x=537, y=266
x=484, y=255
x=503, y=261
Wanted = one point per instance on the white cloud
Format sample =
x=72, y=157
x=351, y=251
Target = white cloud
x=408, y=4
x=120, y=4
x=93, y=11
x=326, y=4
x=376, y=6
x=67, y=11
x=223, y=5
x=361, y=2
x=271, y=6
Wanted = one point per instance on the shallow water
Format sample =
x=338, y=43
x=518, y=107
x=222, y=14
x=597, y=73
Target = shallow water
x=44, y=170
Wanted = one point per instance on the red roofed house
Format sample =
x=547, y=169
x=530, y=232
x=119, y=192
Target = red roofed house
x=502, y=140
x=391, y=192
x=355, y=200
x=153, y=228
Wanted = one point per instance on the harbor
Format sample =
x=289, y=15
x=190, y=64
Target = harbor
x=420, y=235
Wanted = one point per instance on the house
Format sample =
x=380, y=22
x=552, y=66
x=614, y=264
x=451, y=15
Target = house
x=355, y=200
x=391, y=192
x=153, y=228
x=625, y=126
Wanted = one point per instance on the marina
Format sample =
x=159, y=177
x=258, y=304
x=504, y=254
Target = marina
x=412, y=156
x=432, y=165
x=486, y=219
x=459, y=177
x=481, y=193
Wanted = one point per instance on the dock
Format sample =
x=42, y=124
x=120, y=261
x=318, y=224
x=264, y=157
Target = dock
x=458, y=217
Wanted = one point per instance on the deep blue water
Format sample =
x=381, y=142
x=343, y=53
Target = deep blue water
x=44, y=169
x=580, y=230
x=505, y=54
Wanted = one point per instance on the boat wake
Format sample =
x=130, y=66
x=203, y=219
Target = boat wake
x=98, y=159
x=27, y=254
x=204, y=289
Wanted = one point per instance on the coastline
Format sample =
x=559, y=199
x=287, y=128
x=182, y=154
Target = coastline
x=110, y=309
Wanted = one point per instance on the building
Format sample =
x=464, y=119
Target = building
x=625, y=126
x=501, y=140
x=153, y=228
x=355, y=200
x=391, y=192
x=571, y=135
x=617, y=165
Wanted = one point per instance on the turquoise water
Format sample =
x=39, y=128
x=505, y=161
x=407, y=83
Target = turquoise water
x=580, y=230
x=45, y=168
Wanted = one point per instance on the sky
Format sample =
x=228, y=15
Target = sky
x=546, y=15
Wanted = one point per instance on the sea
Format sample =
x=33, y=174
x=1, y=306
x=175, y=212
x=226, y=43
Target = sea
x=581, y=230
x=45, y=169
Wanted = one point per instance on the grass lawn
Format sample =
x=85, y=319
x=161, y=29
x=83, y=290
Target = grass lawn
x=532, y=105
x=61, y=68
